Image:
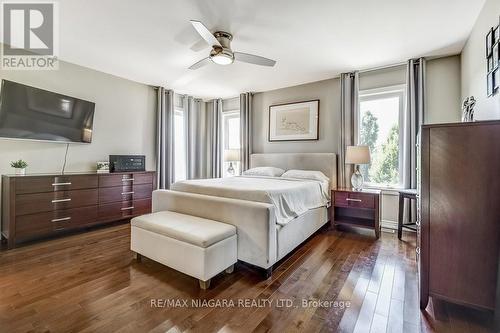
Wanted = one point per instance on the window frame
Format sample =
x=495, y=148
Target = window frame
x=226, y=115
x=380, y=93
x=180, y=111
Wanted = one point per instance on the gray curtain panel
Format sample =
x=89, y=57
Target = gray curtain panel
x=214, y=131
x=246, y=111
x=165, y=138
x=414, y=118
x=195, y=120
x=349, y=87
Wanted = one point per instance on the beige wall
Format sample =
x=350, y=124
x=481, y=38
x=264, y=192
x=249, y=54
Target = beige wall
x=327, y=91
x=231, y=104
x=124, y=121
x=382, y=78
x=474, y=64
x=443, y=90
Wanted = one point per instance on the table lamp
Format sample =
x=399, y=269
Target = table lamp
x=231, y=155
x=357, y=155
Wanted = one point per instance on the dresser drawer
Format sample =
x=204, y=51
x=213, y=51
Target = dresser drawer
x=361, y=200
x=35, y=225
x=125, y=193
x=124, y=209
x=340, y=199
x=46, y=202
x=111, y=180
x=358, y=200
x=39, y=184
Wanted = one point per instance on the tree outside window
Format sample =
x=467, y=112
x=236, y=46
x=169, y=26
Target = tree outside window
x=380, y=117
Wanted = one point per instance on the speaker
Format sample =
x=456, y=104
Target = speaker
x=127, y=163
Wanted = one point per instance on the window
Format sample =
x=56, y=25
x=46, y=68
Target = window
x=380, y=127
x=231, y=141
x=179, y=145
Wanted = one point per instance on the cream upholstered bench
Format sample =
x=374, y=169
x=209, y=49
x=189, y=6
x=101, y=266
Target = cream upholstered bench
x=193, y=245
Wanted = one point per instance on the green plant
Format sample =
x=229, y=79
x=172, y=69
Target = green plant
x=19, y=164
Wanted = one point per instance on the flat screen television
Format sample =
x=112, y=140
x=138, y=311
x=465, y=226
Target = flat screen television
x=30, y=113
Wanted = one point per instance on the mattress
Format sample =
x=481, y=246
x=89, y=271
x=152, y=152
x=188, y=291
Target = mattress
x=291, y=197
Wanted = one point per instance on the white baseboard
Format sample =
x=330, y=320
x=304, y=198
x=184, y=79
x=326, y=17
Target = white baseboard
x=389, y=224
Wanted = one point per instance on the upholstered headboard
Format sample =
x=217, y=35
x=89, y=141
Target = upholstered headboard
x=324, y=162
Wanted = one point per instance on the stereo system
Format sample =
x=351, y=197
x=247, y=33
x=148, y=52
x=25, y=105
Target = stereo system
x=127, y=163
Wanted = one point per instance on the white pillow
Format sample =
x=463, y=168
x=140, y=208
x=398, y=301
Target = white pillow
x=264, y=171
x=306, y=174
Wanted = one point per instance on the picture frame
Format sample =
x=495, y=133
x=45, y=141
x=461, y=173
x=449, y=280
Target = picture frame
x=490, y=63
x=496, y=34
x=489, y=84
x=489, y=43
x=102, y=167
x=496, y=80
x=297, y=121
x=496, y=55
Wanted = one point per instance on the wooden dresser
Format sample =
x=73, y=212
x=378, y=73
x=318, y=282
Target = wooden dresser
x=37, y=206
x=459, y=217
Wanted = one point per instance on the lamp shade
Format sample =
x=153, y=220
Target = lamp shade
x=231, y=155
x=357, y=155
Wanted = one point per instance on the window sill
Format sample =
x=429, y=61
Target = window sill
x=385, y=189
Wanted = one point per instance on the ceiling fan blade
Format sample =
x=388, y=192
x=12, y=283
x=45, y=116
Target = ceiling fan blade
x=253, y=59
x=200, y=63
x=205, y=33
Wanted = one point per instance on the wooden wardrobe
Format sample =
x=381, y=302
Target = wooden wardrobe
x=459, y=215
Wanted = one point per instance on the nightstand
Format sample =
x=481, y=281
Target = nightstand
x=357, y=208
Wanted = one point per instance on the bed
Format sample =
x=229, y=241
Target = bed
x=273, y=216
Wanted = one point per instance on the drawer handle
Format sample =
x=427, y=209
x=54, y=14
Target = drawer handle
x=128, y=208
x=127, y=179
x=60, y=184
x=59, y=229
x=124, y=193
x=61, y=200
x=355, y=200
x=62, y=219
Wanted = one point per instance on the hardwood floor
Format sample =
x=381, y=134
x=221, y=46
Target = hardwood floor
x=91, y=283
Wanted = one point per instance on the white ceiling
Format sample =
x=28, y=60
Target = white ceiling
x=152, y=41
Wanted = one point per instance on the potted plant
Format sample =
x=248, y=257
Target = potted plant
x=20, y=166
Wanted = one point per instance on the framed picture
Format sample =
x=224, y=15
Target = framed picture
x=490, y=84
x=496, y=80
x=489, y=42
x=496, y=55
x=496, y=35
x=497, y=46
x=102, y=167
x=294, y=121
x=490, y=63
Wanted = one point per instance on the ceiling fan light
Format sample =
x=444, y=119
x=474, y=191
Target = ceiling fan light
x=222, y=59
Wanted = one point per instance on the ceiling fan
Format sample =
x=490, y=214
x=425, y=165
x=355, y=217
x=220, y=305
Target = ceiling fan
x=221, y=52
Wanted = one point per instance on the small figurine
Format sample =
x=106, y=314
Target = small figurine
x=468, y=109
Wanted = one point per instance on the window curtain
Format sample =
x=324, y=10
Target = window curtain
x=349, y=87
x=195, y=131
x=246, y=112
x=165, y=138
x=214, y=131
x=414, y=118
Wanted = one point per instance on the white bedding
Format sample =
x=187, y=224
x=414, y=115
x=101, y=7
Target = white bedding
x=291, y=197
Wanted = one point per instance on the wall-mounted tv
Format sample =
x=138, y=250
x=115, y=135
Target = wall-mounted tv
x=30, y=113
